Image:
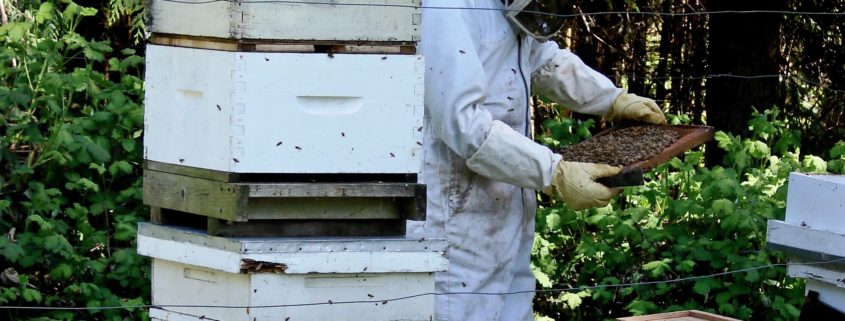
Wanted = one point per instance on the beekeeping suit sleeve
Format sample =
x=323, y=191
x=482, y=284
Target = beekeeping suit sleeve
x=455, y=85
x=561, y=76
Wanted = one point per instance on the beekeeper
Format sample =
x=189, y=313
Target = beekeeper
x=483, y=59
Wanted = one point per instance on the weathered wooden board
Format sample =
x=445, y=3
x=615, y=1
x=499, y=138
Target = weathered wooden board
x=269, y=45
x=282, y=201
x=248, y=112
x=395, y=21
x=307, y=228
x=691, y=315
x=196, y=195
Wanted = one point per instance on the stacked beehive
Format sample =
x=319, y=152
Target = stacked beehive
x=812, y=235
x=285, y=119
x=268, y=116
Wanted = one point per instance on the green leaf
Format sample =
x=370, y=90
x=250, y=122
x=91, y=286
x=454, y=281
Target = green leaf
x=658, y=268
x=641, y=307
x=120, y=167
x=814, y=164
x=704, y=286
x=31, y=295
x=100, y=154
x=88, y=12
x=722, y=205
x=18, y=31
x=58, y=244
x=542, y=278
x=11, y=251
x=838, y=150
x=45, y=12
x=553, y=221
x=61, y=272
x=758, y=149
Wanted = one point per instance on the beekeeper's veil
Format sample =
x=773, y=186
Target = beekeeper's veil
x=540, y=19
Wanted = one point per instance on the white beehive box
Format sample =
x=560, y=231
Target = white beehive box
x=813, y=232
x=320, y=20
x=256, y=112
x=267, y=278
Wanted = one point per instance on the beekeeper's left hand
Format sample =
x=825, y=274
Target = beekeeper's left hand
x=632, y=107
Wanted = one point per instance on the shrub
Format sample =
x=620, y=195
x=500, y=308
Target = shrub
x=687, y=220
x=70, y=189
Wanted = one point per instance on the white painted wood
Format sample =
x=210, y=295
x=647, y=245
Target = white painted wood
x=173, y=284
x=817, y=272
x=341, y=20
x=355, y=262
x=300, y=255
x=284, y=112
x=805, y=238
x=828, y=293
x=817, y=201
x=165, y=315
x=189, y=253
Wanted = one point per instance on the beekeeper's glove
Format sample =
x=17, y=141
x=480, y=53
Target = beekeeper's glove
x=632, y=107
x=575, y=184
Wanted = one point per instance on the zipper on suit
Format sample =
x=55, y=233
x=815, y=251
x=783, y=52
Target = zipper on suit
x=524, y=83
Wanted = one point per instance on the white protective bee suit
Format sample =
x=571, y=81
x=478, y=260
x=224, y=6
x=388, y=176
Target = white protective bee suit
x=481, y=169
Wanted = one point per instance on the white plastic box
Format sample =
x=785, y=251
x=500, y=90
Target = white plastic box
x=258, y=112
x=198, y=277
x=315, y=20
x=814, y=231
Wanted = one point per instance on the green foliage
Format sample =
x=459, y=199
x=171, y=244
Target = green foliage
x=687, y=220
x=70, y=189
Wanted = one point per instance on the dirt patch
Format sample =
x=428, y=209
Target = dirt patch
x=621, y=147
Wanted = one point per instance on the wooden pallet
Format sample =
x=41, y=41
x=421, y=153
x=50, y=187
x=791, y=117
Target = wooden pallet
x=226, y=205
x=327, y=47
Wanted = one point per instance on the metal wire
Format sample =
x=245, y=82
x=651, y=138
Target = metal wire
x=386, y=301
x=599, y=13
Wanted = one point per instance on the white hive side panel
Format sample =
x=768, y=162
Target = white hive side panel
x=189, y=106
x=318, y=113
x=812, y=240
x=826, y=273
x=816, y=201
x=181, y=284
x=277, y=289
x=828, y=293
x=321, y=20
x=361, y=20
x=355, y=262
x=191, y=17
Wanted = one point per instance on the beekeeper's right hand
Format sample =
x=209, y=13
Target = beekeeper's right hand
x=575, y=184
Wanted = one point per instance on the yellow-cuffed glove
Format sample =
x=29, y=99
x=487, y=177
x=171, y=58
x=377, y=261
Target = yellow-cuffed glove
x=632, y=107
x=575, y=184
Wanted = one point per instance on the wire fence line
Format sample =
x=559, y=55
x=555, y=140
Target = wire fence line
x=408, y=297
x=571, y=15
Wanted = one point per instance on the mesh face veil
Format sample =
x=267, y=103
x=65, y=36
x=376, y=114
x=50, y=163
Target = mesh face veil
x=537, y=18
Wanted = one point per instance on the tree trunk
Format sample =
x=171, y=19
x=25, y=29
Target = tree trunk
x=741, y=45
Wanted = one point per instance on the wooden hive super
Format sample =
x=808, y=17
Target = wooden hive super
x=375, y=22
x=318, y=102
